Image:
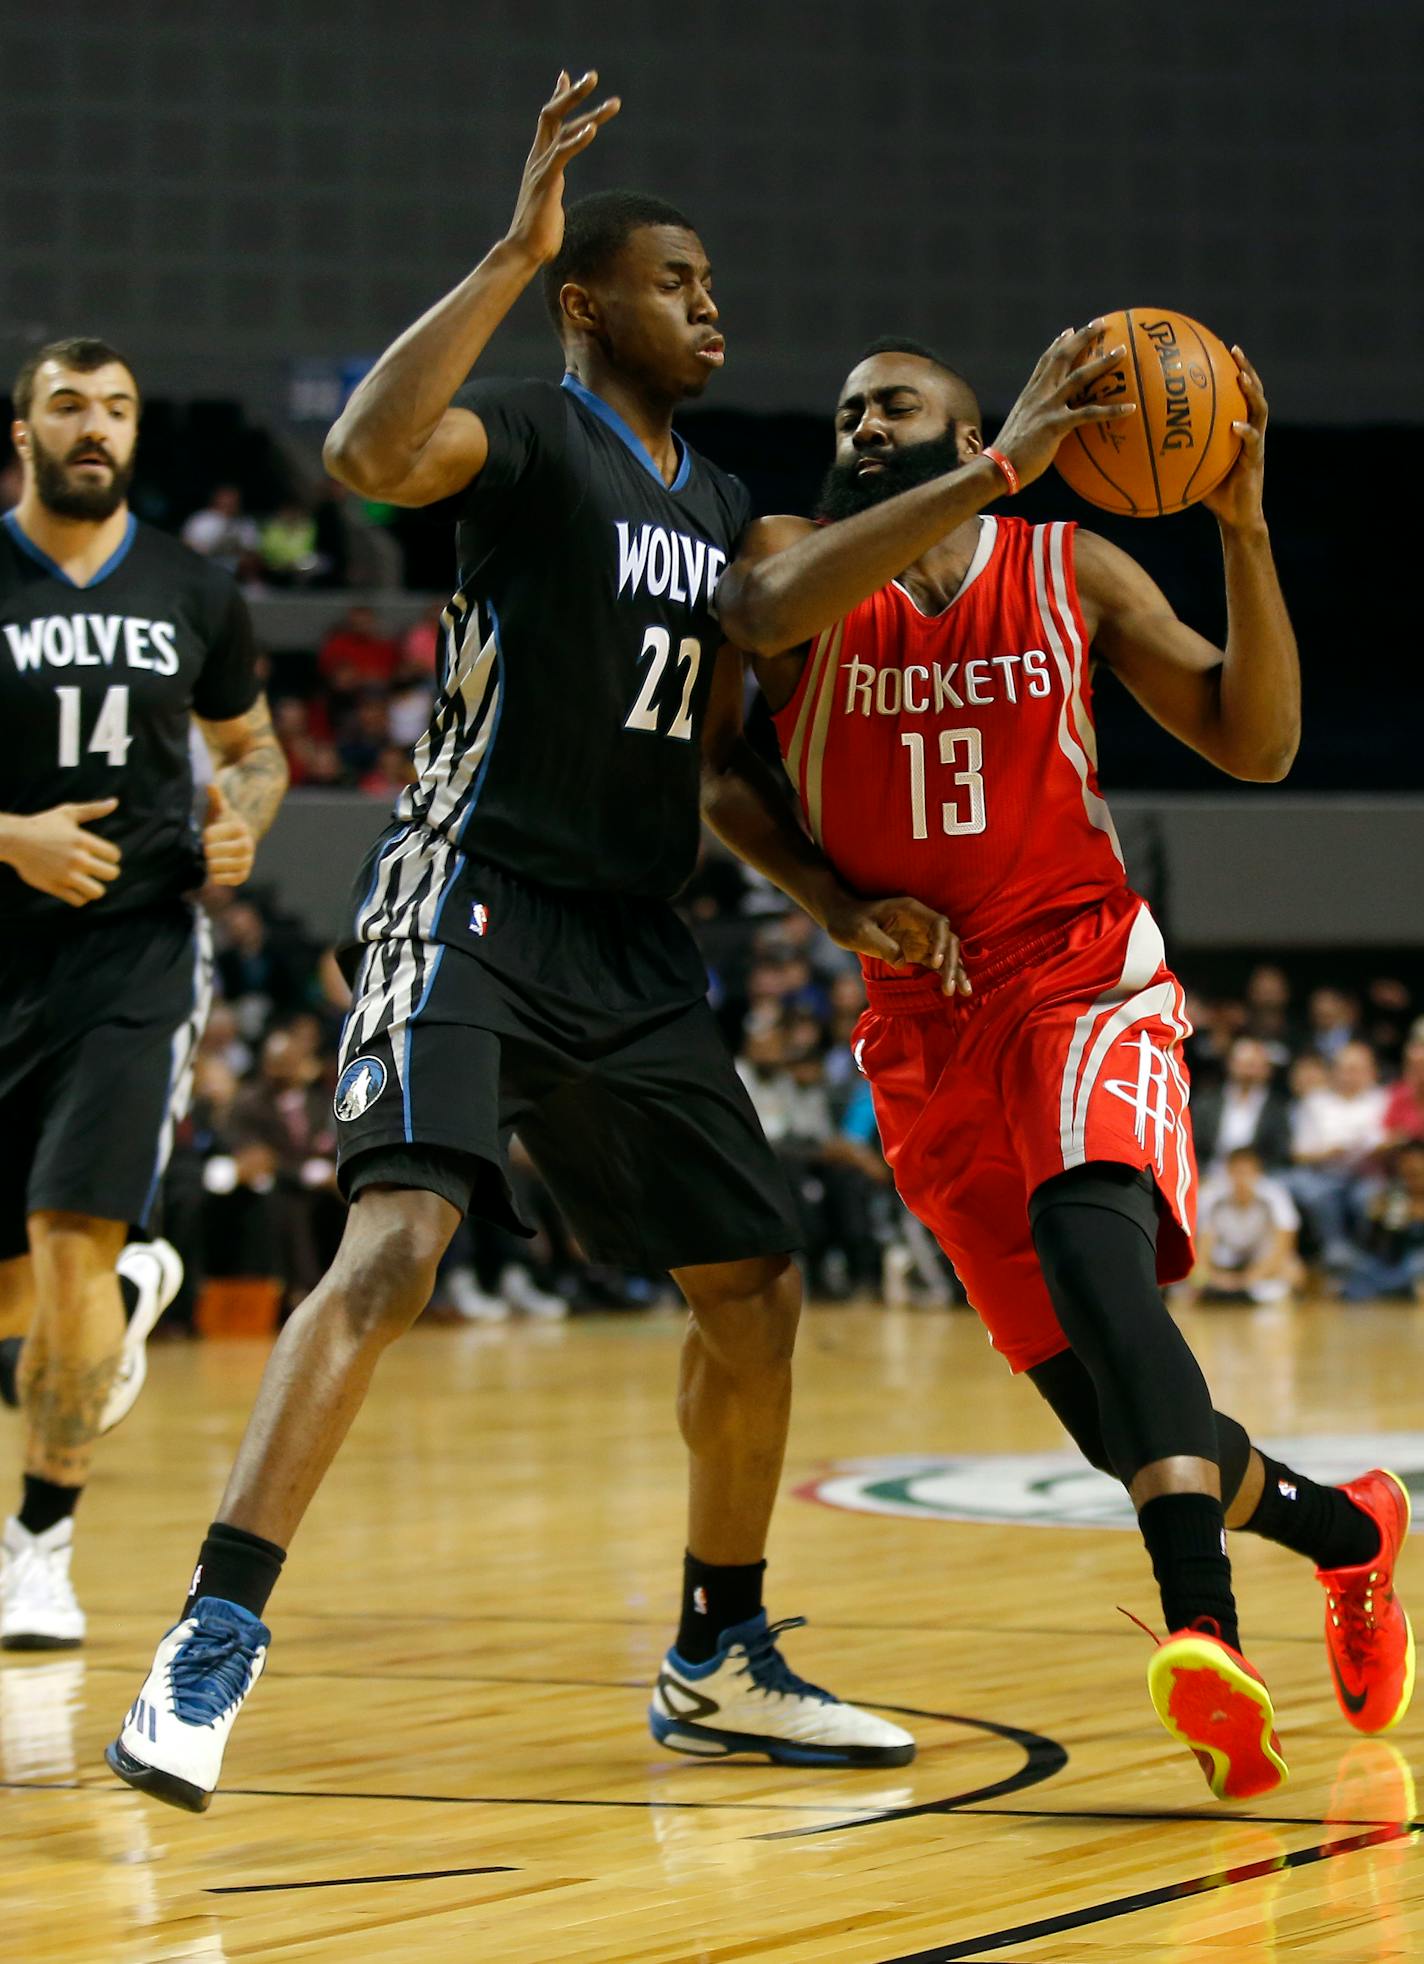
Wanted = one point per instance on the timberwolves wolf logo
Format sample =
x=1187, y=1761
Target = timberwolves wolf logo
x=359, y=1086
x=1148, y=1094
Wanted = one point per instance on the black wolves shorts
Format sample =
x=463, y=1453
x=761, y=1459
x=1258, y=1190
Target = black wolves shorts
x=579, y=1022
x=99, y=1027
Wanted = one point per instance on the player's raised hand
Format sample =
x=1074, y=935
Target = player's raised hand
x=52, y=852
x=1236, y=501
x=228, y=845
x=1052, y=401
x=566, y=126
x=903, y=932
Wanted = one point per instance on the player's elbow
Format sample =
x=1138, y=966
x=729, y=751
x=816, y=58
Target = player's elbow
x=351, y=462
x=1265, y=763
x=747, y=611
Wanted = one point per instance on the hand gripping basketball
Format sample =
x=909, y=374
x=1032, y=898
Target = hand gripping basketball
x=1043, y=414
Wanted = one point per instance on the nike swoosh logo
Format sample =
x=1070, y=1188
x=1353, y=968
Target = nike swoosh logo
x=1352, y=1701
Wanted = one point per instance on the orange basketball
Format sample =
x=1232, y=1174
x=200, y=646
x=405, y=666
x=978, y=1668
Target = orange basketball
x=1180, y=444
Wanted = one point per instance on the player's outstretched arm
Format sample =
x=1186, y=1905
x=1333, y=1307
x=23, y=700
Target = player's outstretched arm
x=247, y=787
x=745, y=805
x=779, y=594
x=1238, y=706
x=398, y=438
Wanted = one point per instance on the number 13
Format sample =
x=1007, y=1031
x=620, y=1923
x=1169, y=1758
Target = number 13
x=972, y=778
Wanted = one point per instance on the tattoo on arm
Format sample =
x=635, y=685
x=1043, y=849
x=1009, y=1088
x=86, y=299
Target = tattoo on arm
x=252, y=769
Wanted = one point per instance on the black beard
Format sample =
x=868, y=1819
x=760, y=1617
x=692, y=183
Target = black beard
x=66, y=499
x=843, y=494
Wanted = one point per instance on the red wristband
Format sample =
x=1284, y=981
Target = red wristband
x=1010, y=475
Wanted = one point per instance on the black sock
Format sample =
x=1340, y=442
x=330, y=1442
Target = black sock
x=1320, y=1522
x=45, y=1503
x=10, y=1348
x=1186, y=1538
x=713, y=1600
x=237, y=1566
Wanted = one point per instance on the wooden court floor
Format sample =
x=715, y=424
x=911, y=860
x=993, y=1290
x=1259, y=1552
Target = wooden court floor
x=447, y=1757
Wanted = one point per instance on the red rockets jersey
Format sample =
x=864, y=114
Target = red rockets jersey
x=953, y=756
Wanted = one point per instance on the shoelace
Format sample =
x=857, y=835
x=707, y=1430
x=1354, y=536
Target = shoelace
x=769, y=1670
x=210, y=1674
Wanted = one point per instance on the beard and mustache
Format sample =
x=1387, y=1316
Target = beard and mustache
x=843, y=494
x=70, y=497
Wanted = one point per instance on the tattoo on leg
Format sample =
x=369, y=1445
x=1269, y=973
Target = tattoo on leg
x=64, y=1401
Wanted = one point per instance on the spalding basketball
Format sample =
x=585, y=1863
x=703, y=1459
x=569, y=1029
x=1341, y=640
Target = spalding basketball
x=1180, y=444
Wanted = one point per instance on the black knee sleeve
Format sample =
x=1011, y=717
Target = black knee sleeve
x=1064, y=1384
x=1095, y=1230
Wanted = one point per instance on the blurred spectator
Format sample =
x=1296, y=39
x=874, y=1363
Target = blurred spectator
x=1268, y=1012
x=283, y=1135
x=12, y=483
x=1245, y=1110
x=414, y=682
x=289, y=552
x=1334, y=1020
x=1388, y=1007
x=1404, y=1107
x=390, y=774
x=356, y=655
x=1247, y=1226
x=365, y=734
x=310, y=759
x=1390, y=1259
x=1337, y=1131
x=259, y=977
x=421, y=645
x=354, y=538
x=223, y=533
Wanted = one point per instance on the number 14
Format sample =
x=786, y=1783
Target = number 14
x=971, y=777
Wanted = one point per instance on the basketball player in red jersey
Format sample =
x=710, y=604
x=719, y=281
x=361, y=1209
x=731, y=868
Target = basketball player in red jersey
x=929, y=669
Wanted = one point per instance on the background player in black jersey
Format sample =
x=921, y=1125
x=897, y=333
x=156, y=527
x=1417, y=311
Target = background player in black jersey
x=113, y=637
x=520, y=965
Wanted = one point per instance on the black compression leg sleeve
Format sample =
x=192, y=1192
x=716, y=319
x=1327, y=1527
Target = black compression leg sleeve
x=1063, y=1382
x=1095, y=1229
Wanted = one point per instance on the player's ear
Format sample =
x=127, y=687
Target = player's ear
x=19, y=429
x=968, y=441
x=579, y=308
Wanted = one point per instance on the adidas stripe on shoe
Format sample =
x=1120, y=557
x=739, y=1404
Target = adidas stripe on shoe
x=173, y=1739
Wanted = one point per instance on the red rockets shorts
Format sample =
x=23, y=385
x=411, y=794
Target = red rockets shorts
x=1074, y=1056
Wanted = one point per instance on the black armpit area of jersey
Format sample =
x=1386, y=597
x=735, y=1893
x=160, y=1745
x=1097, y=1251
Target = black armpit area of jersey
x=228, y=684
x=526, y=426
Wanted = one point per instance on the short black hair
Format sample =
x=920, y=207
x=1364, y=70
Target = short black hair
x=596, y=229
x=906, y=344
x=86, y=352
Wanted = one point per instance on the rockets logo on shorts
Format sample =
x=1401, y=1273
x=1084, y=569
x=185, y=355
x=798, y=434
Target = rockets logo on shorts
x=1149, y=1094
x=359, y=1086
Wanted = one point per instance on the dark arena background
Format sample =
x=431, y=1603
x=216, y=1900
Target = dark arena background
x=448, y=1758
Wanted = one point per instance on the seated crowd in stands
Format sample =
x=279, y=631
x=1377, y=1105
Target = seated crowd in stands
x=1309, y=1124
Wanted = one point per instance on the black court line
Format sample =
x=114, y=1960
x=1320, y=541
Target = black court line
x=116, y=1789
x=1197, y=1885
x=1043, y=1758
x=355, y=1881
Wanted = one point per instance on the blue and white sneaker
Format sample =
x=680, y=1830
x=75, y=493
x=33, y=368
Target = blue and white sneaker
x=172, y=1741
x=747, y=1699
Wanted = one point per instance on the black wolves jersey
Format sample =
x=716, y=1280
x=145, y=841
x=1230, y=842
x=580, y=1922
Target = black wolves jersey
x=97, y=684
x=578, y=657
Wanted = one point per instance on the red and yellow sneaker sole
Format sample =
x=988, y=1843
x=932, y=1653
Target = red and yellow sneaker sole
x=1220, y=1710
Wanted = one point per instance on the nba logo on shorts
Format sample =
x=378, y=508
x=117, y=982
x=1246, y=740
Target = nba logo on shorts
x=479, y=918
x=359, y=1086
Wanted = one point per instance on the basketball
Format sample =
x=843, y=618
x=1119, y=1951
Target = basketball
x=1180, y=444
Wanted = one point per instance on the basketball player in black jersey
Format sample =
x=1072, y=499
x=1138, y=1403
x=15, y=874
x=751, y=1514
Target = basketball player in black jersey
x=113, y=638
x=518, y=964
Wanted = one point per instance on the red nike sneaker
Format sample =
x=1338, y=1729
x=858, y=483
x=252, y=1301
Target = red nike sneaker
x=1216, y=1704
x=1367, y=1633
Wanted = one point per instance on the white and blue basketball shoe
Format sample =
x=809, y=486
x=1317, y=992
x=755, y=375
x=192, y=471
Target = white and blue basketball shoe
x=172, y=1742
x=747, y=1699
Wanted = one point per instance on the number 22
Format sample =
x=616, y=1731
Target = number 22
x=657, y=642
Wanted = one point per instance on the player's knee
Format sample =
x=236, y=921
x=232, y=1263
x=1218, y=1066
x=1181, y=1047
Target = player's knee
x=748, y=1312
x=69, y=1250
x=391, y=1255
